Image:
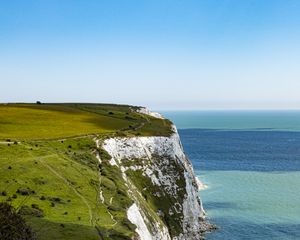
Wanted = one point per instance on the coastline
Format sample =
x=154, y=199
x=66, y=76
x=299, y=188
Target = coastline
x=200, y=184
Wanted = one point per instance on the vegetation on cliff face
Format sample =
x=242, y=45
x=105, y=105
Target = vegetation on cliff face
x=50, y=173
x=156, y=198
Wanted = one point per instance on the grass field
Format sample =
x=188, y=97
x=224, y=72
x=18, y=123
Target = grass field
x=62, y=180
x=49, y=169
x=44, y=121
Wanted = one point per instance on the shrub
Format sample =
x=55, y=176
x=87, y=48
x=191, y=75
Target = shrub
x=34, y=211
x=55, y=199
x=42, y=198
x=25, y=191
x=34, y=206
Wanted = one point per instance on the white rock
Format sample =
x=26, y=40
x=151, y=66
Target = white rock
x=156, y=156
x=148, y=112
x=134, y=216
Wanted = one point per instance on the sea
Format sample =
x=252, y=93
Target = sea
x=250, y=162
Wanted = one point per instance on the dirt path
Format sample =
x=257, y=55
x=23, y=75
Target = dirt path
x=143, y=123
x=6, y=143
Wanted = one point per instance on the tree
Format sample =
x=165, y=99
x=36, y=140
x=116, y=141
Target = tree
x=13, y=225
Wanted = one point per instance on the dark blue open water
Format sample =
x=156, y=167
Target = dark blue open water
x=253, y=175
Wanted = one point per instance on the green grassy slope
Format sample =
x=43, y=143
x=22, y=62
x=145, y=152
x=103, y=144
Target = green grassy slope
x=49, y=170
x=34, y=121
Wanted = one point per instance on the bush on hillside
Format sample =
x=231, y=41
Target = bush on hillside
x=25, y=191
x=34, y=211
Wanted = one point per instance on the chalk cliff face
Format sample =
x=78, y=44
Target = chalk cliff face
x=161, y=182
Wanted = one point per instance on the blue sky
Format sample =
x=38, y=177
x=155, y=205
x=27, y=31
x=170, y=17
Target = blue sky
x=165, y=54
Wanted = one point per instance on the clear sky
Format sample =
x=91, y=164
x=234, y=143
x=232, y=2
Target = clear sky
x=165, y=54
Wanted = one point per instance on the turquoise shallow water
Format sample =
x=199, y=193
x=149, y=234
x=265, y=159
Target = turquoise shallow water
x=252, y=205
x=253, y=174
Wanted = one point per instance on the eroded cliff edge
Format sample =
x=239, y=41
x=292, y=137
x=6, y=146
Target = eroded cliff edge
x=161, y=183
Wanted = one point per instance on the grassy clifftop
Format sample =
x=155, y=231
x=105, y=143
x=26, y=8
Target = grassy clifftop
x=44, y=121
x=49, y=169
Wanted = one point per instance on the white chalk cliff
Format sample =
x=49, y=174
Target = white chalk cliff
x=162, y=184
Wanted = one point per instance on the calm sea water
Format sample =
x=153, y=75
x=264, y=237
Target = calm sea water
x=251, y=164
